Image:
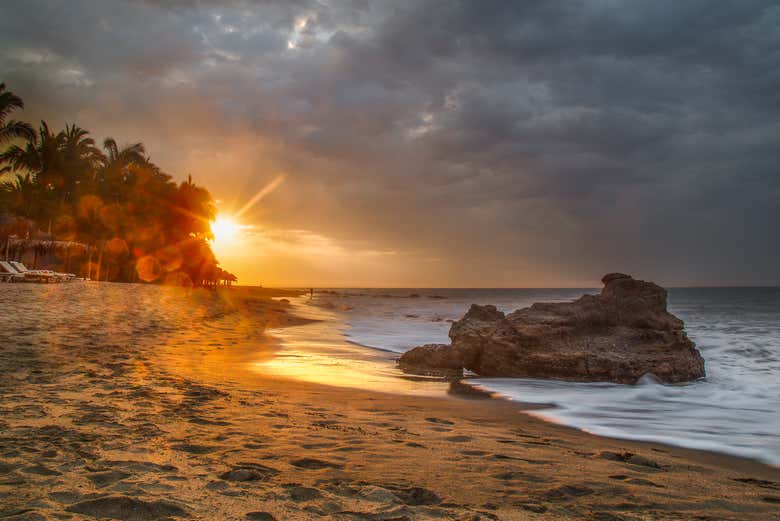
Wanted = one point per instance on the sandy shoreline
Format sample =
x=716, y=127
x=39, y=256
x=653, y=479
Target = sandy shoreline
x=138, y=402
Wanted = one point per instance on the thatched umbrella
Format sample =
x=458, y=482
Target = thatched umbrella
x=41, y=247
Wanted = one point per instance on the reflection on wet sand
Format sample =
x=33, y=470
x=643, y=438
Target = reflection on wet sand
x=317, y=352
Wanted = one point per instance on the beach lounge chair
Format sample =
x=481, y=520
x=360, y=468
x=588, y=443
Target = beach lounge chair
x=31, y=275
x=21, y=268
x=9, y=275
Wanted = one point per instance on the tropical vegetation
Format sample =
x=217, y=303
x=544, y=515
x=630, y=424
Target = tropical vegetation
x=137, y=223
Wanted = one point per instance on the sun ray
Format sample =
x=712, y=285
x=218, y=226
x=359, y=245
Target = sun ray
x=267, y=189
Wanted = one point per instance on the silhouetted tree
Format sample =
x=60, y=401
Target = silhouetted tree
x=138, y=224
x=11, y=129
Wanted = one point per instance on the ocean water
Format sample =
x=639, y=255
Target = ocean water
x=735, y=409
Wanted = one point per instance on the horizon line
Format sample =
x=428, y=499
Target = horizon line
x=307, y=287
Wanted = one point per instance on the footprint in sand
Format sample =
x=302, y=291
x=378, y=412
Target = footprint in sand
x=195, y=449
x=348, y=449
x=310, y=446
x=459, y=439
x=644, y=483
x=439, y=421
x=249, y=472
x=140, y=466
x=127, y=509
x=41, y=471
x=532, y=507
x=475, y=453
x=631, y=458
x=567, y=492
x=67, y=496
x=608, y=516
x=217, y=486
x=103, y=479
x=511, y=475
x=298, y=493
x=414, y=496
x=204, y=421
x=315, y=464
x=260, y=516
x=763, y=483
x=503, y=457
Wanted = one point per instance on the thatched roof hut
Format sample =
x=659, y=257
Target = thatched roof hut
x=46, y=245
x=15, y=247
x=18, y=235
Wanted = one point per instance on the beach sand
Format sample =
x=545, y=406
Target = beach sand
x=142, y=402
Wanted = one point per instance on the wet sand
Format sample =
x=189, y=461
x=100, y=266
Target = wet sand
x=138, y=402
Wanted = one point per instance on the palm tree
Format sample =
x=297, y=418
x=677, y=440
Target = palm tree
x=12, y=129
x=77, y=140
x=192, y=212
x=116, y=168
x=23, y=196
x=80, y=159
x=40, y=155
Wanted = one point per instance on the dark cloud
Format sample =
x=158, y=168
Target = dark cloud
x=527, y=142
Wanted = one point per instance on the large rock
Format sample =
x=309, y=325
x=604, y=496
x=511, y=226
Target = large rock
x=618, y=336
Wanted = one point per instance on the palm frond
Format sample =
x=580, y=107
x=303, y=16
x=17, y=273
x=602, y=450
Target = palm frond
x=8, y=103
x=109, y=144
x=16, y=129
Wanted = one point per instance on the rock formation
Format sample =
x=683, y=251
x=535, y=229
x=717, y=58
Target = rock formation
x=618, y=336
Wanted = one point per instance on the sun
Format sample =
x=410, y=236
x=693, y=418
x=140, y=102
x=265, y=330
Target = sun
x=225, y=229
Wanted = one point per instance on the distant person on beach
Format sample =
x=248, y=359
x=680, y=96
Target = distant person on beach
x=311, y=293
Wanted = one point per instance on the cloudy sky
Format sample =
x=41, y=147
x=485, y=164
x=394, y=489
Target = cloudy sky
x=439, y=143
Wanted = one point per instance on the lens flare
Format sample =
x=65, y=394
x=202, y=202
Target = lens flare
x=225, y=229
